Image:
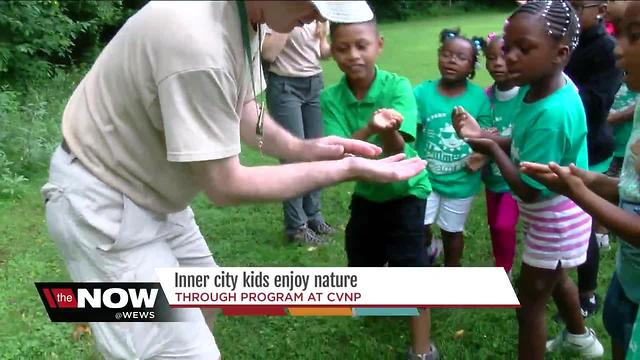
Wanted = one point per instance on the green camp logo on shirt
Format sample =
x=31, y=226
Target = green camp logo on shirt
x=446, y=151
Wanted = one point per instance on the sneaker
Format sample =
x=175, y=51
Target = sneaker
x=431, y=355
x=603, y=241
x=321, y=227
x=305, y=236
x=589, y=306
x=585, y=345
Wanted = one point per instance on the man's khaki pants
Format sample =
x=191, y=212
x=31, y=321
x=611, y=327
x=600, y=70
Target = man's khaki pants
x=104, y=237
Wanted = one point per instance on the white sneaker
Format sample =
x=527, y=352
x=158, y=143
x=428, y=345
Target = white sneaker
x=603, y=241
x=585, y=345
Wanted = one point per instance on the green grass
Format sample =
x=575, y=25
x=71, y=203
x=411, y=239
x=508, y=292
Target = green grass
x=252, y=236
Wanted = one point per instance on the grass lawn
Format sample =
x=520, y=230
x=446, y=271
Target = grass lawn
x=252, y=236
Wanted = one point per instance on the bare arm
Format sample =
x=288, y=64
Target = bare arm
x=511, y=175
x=508, y=169
x=279, y=143
x=621, y=117
x=619, y=221
x=226, y=182
x=570, y=181
x=272, y=46
x=604, y=186
x=385, y=123
x=321, y=33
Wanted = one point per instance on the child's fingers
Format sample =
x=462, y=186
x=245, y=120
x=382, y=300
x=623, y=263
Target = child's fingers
x=530, y=167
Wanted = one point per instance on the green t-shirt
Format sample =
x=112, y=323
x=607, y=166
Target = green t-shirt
x=628, y=259
x=438, y=143
x=550, y=129
x=503, y=112
x=343, y=115
x=621, y=132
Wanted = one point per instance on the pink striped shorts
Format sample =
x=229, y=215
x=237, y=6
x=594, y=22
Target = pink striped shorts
x=556, y=233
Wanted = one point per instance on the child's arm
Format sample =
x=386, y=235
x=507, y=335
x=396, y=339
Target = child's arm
x=468, y=128
x=623, y=116
x=565, y=180
x=273, y=44
x=508, y=169
x=604, y=186
x=384, y=123
x=321, y=34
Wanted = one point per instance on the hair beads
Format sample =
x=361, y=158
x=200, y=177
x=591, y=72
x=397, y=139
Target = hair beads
x=560, y=19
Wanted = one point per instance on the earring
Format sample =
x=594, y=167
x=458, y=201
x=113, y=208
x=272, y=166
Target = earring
x=599, y=17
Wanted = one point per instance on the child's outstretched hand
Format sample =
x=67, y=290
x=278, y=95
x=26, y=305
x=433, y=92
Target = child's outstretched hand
x=476, y=161
x=466, y=126
x=385, y=120
x=565, y=180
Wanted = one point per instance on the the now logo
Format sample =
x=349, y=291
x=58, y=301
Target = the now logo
x=134, y=297
x=70, y=302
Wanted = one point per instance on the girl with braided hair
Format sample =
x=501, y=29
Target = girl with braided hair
x=549, y=126
x=502, y=208
x=454, y=179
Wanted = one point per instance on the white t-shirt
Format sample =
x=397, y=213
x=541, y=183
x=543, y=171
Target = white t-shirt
x=167, y=90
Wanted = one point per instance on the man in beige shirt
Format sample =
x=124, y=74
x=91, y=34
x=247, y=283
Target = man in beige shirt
x=294, y=82
x=159, y=118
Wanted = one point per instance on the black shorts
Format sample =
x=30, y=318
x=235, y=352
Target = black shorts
x=388, y=232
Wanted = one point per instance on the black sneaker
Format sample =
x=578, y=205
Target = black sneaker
x=321, y=227
x=305, y=236
x=589, y=306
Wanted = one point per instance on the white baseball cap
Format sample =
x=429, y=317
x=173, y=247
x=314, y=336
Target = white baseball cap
x=344, y=11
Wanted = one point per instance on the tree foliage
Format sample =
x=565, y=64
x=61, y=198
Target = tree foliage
x=35, y=36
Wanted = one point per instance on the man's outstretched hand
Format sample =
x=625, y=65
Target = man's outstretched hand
x=390, y=169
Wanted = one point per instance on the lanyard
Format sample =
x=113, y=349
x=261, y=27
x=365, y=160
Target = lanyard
x=244, y=24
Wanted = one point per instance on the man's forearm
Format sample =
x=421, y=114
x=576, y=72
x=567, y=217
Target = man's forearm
x=269, y=183
x=277, y=142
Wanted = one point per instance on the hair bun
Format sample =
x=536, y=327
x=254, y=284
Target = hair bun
x=449, y=34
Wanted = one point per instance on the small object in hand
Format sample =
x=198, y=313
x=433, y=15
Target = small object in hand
x=459, y=335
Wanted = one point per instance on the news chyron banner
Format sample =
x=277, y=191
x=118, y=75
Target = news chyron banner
x=335, y=291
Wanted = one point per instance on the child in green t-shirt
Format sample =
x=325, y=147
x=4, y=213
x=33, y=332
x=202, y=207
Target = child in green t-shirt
x=549, y=126
x=597, y=194
x=502, y=208
x=370, y=104
x=454, y=179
